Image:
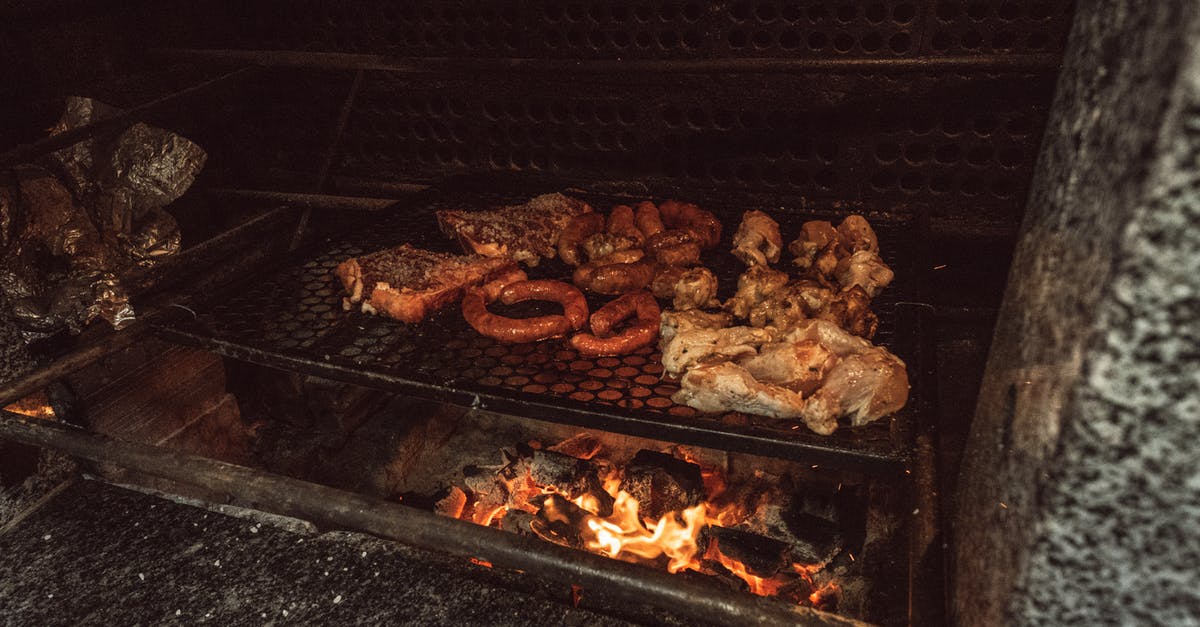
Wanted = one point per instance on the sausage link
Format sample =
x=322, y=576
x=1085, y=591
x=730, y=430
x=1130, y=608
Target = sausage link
x=621, y=222
x=685, y=254
x=578, y=229
x=572, y=300
x=620, y=278
x=641, y=333
x=640, y=304
x=647, y=219
x=509, y=330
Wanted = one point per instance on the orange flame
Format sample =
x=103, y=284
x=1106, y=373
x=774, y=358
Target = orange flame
x=622, y=533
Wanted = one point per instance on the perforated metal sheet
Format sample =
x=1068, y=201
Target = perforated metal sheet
x=651, y=29
x=963, y=144
x=295, y=319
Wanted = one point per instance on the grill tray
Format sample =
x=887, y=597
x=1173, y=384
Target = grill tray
x=293, y=319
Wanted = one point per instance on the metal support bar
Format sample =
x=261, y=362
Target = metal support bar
x=112, y=124
x=110, y=343
x=305, y=201
x=452, y=66
x=330, y=155
x=328, y=506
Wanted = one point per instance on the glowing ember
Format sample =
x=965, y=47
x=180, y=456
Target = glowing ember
x=36, y=405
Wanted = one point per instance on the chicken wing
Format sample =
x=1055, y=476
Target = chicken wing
x=757, y=241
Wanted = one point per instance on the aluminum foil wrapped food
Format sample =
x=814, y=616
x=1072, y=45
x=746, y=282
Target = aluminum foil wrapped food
x=125, y=183
x=75, y=228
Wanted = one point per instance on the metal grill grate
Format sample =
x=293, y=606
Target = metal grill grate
x=295, y=319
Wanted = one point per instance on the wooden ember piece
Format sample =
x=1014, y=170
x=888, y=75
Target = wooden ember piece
x=580, y=445
x=814, y=540
x=560, y=521
x=717, y=570
x=519, y=522
x=662, y=483
x=488, y=494
x=762, y=556
x=452, y=504
x=570, y=476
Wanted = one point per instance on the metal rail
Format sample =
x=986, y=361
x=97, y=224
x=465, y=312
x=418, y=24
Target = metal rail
x=305, y=201
x=351, y=61
x=330, y=155
x=328, y=506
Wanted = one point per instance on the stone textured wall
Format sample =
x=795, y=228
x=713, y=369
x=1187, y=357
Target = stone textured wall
x=1080, y=495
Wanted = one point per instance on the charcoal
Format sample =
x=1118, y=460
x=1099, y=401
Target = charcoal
x=570, y=476
x=488, y=494
x=814, y=540
x=452, y=504
x=762, y=556
x=662, y=483
x=519, y=522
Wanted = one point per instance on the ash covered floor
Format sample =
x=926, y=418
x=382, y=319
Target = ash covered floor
x=100, y=554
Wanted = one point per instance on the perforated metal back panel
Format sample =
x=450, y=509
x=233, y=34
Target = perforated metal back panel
x=962, y=144
x=638, y=29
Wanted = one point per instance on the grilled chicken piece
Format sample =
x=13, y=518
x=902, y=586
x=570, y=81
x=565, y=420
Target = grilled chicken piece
x=754, y=287
x=525, y=233
x=726, y=386
x=685, y=349
x=798, y=366
x=820, y=247
x=763, y=301
x=672, y=323
x=864, y=269
x=815, y=371
x=856, y=234
x=696, y=289
x=816, y=236
x=862, y=387
x=757, y=241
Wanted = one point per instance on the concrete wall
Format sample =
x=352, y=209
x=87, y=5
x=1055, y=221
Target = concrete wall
x=1079, y=500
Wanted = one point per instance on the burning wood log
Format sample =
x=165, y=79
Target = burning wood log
x=519, y=522
x=489, y=496
x=571, y=477
x=582, y=445
x=452, y=504
x=662, y=483
x=761, y=556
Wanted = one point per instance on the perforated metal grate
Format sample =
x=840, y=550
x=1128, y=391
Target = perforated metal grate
x=647, y=29
x=295, y=318
x=954, y=142
x=962, y=144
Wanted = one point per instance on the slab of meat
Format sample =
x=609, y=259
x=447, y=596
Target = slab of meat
x=409, y=283
x=525, y=233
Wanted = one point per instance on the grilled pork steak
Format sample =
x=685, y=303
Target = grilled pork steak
x=409, y=283
x=525, y=232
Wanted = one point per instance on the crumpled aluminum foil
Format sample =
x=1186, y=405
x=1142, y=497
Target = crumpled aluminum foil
x=126, y=182
x=70, y=233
